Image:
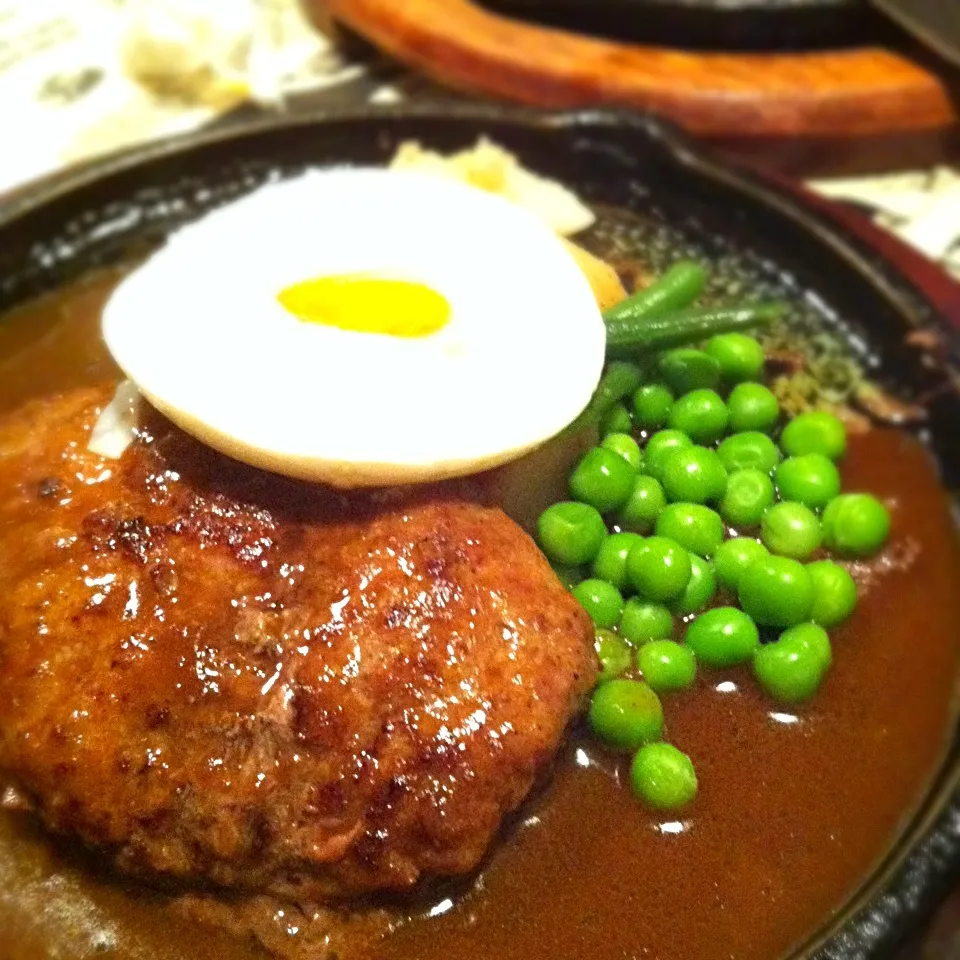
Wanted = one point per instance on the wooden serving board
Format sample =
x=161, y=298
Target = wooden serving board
x=843, y=94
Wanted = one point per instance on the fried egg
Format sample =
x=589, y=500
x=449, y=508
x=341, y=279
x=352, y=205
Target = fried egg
x=362, y=327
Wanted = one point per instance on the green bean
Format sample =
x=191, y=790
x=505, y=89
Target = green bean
x=620, y=380
x=676, y=289
x=630, y=336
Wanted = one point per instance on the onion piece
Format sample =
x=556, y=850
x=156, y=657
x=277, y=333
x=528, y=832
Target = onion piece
x=116, y=427
x=489, y=167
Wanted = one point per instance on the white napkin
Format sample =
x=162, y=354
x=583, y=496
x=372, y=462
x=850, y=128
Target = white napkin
x=83, y=77
x=921, y=207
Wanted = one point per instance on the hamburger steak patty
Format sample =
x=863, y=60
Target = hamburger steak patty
x=211, y=673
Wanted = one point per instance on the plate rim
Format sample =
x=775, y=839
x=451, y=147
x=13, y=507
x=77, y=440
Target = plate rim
x=682, y=148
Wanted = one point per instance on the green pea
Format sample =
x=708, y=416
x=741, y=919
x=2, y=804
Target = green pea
x=791, y=669
x=810, y=479
x=663, y=777
x=723, y=637
x=570, y=533
x=776, y=591
x=749, y=493
x=626, y=714
x=749, y=451
x=643, y=621
x=791, y=530
x=667, y=666
x=658, y=449
x=645, y=504
x=701, y=415
x=700, y=588
x=752, y=407
x=733, y=557
x=602, y=600
x=624, y=445
x=816, y=638
x=834, y=593
x=651, y=406
x=569, y=576
x=614, y=654
x=694, y=474
x=616, y=420
x=740, y=357
x=857, y=524
x=610, y=563
x=686, y=369
x=659, y=568
x=602, y=479
x=815, y=432
x=694, y=526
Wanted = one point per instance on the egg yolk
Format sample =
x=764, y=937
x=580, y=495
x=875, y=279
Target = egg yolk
x=368, y=304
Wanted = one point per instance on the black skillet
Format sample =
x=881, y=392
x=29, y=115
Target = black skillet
x=709, y=24
x=764, y=25
x=103, y=213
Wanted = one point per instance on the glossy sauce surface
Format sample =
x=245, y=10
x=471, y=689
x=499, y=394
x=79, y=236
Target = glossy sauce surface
x=796, y=807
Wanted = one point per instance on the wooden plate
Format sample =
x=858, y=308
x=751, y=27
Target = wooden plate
x=832, y=94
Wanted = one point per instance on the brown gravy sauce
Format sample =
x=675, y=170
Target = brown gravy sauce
x=796, y=806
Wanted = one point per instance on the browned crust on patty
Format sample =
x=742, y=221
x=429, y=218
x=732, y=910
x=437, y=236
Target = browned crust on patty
x=216, y=674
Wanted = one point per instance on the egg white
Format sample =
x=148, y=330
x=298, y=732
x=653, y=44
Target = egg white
x=199, y=329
